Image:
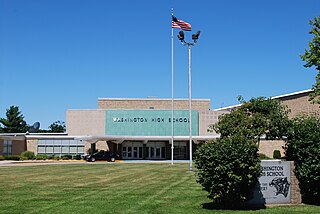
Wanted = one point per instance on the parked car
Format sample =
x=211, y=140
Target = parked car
x=102, y=155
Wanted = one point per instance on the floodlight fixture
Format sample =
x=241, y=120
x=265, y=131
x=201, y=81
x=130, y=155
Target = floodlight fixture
x=181, y=36
x=195, y=37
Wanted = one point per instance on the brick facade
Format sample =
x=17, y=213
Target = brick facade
x=32, y=145
x=152, y=103
x=295, y=190
x=298, y=104
x=18, y=146
x=86, y=122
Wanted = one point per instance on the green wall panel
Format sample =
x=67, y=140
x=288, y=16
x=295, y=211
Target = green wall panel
x=150, y=122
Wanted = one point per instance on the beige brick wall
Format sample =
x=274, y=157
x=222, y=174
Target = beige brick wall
x=207, y=118
x=108, y=103
x=268, y=146
x=32, y=145
x=295, y=190
x=86, y=122
x=100, y=145
x=299, y=104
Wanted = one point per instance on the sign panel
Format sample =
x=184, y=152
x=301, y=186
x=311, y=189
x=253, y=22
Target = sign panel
x=150, y=122
x=274, y=183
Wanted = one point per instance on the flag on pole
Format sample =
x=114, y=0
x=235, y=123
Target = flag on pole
x=176, y=23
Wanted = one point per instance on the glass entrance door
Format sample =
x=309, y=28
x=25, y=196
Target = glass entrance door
x=156, y=150
x=132, y=150
x=180, y=151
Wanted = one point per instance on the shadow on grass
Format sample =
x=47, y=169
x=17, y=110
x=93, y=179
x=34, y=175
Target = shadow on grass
x=213, y=206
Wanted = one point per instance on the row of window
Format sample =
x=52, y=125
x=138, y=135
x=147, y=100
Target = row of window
x=60, y=150
x=61, y=142
x=60, y=147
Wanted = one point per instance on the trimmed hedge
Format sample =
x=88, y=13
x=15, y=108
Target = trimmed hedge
x=228, y=169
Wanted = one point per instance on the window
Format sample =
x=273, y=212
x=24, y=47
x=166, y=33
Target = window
x=7, y=149
x=124, y=152
x=135, y=152
x=129, y=152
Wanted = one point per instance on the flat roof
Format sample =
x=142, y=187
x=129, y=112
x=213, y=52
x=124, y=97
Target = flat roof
x=275, y=97
x=152, y=98
x=120, y=139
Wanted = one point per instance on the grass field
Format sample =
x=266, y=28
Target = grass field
x=110, y=188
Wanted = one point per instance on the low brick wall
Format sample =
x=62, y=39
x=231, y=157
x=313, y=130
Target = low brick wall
x=295, y=190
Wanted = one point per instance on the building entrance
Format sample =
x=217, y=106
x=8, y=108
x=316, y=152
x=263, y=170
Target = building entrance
x=156, y=150
x=132, y=150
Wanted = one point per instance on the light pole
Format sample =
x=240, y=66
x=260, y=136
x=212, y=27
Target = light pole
x=195, y=38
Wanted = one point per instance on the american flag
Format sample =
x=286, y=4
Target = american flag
x=176, y=23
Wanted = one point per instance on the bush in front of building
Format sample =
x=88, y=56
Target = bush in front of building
x=228, y=169
x=76, y=157
x=276, y=154
x=56, y=157
x=41, y=157
x=66, y=157
x=303, y=147
x=27, y=155
x=12, y=157
x=262, y=156
x=1, y=158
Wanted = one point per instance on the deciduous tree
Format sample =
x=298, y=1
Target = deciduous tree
x=253, y=119
x=57, y=127
x=312, y=57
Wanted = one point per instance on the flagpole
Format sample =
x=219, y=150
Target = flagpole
x=172, y=92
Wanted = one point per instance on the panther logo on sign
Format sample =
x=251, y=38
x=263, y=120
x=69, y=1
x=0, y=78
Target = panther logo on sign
x=282, y=186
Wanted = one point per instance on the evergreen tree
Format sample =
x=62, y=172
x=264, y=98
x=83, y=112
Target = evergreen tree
x=14, y=121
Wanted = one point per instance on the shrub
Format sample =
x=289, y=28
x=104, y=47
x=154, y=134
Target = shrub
x=12, y=157
x=28, y=155
x=66, y=157
x=77, y=157
x=303, y=147
x=56, y=158
x=1, y=158
x=228, y=169
x=41, y=157
x=262, y=156
x=22, y=158
x=276, y=154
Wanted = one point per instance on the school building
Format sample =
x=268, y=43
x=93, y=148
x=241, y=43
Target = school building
x=139, y=128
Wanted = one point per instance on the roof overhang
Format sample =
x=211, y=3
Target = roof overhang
x=120, y=139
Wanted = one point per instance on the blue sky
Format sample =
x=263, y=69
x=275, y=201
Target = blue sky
x=65, y=54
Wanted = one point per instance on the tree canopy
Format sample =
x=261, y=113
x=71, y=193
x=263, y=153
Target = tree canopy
x=14, y=121
x=57, y=127
x=312, y=57
x=253, y=119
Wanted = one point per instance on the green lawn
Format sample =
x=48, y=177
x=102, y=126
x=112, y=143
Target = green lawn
x=109, y=188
